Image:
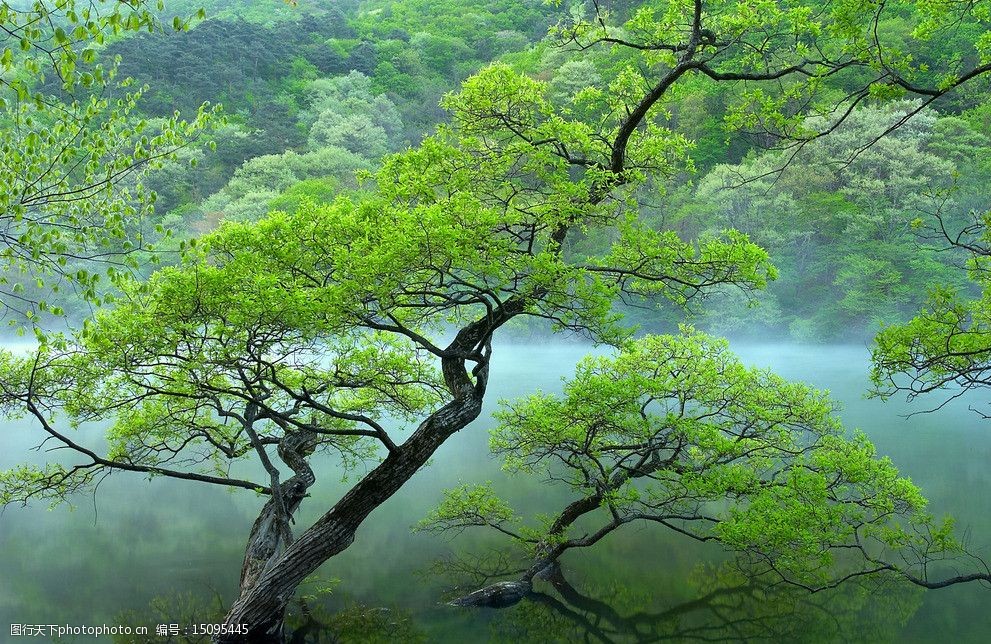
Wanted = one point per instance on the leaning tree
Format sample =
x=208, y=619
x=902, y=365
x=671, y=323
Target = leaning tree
x=365, y=328
x=676, y=431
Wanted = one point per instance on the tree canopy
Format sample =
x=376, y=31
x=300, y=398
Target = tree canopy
x=365, y=326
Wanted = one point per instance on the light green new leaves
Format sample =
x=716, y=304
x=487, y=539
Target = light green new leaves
x=675, y=429
x=647, y=261
x=73, y=149
x=948, y=342
x=52, y=482
x=468, y=505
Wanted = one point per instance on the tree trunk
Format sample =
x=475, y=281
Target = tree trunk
x=504, y=594
x=271, y=529
x=262, y=606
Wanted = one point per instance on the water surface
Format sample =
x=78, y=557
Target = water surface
x=115, y=552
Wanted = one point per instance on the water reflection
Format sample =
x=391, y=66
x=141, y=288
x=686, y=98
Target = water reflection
x=721, y=603
x=724, y=605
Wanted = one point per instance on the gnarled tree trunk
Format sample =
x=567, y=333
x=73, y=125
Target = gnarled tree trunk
x=271, y=528
x=261, y=606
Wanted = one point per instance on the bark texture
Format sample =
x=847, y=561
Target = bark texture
x=262, y=603
x=270, y=531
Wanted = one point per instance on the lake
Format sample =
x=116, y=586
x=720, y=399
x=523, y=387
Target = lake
x=140, y=552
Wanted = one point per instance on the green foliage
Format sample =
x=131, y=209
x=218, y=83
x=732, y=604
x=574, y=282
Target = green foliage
x=74, y=149
x=260, y=61
x=468, y=505
x=675, y=430
x=329, y=326
x=838, y=219
x=309, y=191
x=263, y=182
x=485, y=27
x=233, y=61
x=345, y=112
x=945, y=346
x=321, y=318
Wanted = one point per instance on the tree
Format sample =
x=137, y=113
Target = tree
x=350, y=129
x=841, y=223
x=675, y=431
x=344, y=112
x=349, y=96
x=74, y=151
x=946, y=347
x=340, y=326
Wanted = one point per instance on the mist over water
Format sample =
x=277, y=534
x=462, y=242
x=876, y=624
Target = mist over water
x=137, y=540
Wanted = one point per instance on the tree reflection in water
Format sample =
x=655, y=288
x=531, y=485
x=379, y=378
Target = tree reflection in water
x=725, y=605
x=717, y=604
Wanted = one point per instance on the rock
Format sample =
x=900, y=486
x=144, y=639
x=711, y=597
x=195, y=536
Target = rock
x=498, y=595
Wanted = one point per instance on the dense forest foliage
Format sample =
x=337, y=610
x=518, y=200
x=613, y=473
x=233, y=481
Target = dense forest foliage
x=307, y=233
x=315, y=93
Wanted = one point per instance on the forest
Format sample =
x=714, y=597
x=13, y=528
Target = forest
x=511, y=320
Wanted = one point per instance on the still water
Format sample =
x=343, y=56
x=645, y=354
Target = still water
x=140, y=552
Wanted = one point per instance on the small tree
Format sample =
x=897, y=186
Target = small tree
x=675, y=431
x=345, y=327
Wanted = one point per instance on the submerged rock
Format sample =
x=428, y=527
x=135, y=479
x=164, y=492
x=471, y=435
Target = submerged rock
x=498, y=595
